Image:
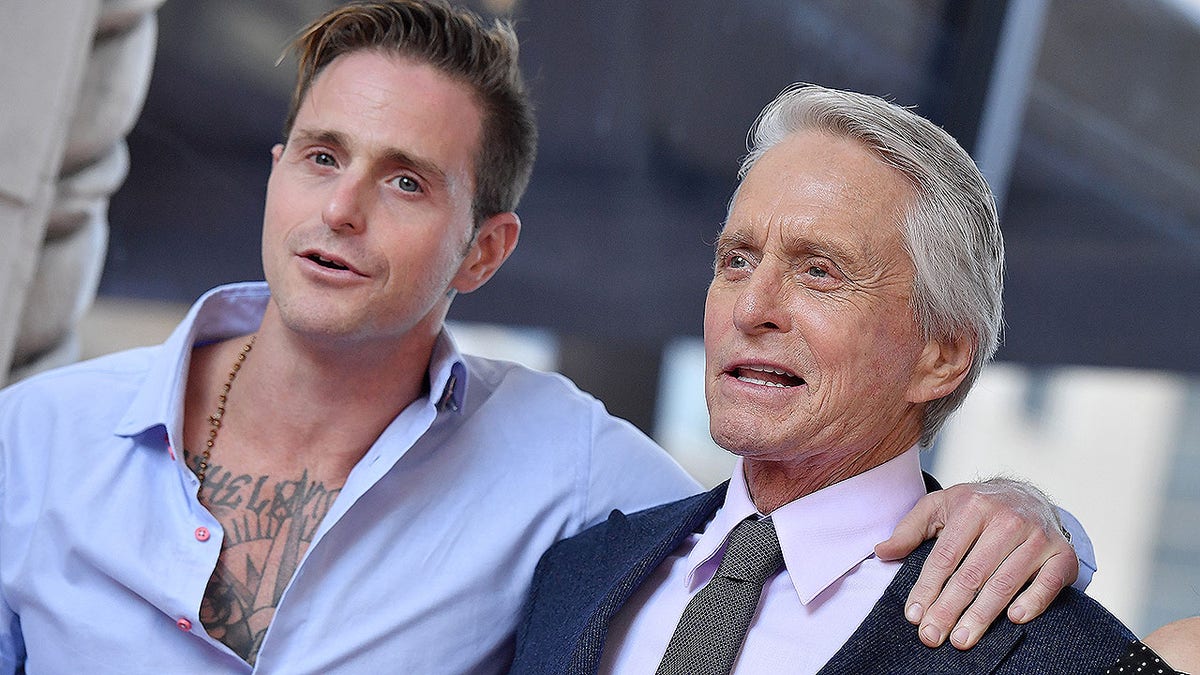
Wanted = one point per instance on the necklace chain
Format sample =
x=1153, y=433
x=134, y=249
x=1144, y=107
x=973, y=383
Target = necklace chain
x=214, y=420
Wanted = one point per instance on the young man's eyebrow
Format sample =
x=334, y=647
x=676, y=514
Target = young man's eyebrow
x=323, y=137
x=422, y=166
x=391, y=155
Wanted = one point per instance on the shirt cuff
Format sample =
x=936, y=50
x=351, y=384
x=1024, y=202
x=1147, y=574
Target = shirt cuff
x=1083, y=548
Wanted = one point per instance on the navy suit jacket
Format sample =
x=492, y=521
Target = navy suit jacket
x=582, y=582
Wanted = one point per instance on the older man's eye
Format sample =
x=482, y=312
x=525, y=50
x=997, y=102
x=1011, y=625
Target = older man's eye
x=818, y=272
x=737, y=261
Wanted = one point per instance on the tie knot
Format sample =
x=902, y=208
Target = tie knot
x=752, y=553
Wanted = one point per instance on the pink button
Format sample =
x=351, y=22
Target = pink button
x=184, y=625
x=202, y=534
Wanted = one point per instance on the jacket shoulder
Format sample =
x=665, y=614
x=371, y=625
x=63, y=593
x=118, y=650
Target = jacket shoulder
x=582, y=582
x=1076, y=634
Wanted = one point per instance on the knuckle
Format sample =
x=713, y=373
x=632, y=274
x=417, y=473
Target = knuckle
x=942, y=614
x=1035, y=601
x=942, y=559
x=1039, y=538
x=1004, y=584
x=970, y=577
x=1052, y=578
x=1009, y=522
x=981, y=613
x=977, y=497
x=924, y=589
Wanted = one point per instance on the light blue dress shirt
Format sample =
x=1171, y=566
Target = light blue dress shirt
x=420, y=565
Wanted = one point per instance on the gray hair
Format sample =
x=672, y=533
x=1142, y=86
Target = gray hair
x=950, y=230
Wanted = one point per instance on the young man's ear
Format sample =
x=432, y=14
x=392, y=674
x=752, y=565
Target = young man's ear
x=493, y=243
x=941, y=368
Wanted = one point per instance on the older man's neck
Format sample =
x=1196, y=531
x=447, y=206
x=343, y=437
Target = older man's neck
x=775, y=483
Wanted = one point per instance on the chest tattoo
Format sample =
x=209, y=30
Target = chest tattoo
x=269, y=523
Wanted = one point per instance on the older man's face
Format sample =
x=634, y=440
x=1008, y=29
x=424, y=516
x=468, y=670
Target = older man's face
x=812, y=349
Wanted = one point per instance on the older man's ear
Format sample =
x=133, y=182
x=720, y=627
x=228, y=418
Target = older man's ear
x=941, y=368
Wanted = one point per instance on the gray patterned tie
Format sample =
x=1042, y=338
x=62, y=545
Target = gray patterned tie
x=710, y=632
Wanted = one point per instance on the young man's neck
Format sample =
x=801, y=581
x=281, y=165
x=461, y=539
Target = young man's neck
x=315, y=403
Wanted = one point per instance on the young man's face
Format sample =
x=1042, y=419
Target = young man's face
x=368, y=221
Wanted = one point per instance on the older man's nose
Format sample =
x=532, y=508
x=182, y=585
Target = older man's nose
x=761, y=306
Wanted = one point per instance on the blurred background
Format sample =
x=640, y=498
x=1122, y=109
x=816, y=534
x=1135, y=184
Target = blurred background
x=1080, y=112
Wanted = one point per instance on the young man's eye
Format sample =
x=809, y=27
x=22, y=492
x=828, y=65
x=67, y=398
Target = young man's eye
x=406, y=184
x=323, y=158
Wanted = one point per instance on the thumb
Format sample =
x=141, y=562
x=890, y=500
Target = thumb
x=923, y=522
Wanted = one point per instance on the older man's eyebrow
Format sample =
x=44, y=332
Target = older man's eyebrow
x=728, y=239
x=839, y=252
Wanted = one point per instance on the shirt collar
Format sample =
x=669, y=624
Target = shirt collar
x=842, y=522
x=447, y=374
x=223, y=312
x=237, y=309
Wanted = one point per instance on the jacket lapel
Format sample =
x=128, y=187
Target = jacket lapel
x=654, y=534
x=886, y=642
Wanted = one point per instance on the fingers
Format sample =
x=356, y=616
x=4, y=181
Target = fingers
x=945, y=588
x=927, y=520
x=923, y=522
x=939, y=568
x=1060, y=571
x=987, y=596
x=1009, y=553
x=993, y=538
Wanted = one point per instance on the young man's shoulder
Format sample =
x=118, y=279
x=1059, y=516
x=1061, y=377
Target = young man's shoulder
x=496, y=374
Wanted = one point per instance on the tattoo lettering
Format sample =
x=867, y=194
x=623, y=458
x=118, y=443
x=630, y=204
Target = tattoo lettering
x=268, y=524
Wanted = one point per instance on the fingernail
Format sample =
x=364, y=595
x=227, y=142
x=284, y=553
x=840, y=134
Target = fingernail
x=914, y=613
x=960, y=636
x=931, y=635
x=1017, y=613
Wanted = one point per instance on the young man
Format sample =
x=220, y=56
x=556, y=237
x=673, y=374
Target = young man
x=313, y=478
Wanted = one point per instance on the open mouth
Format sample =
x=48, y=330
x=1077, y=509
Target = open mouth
x=766, y=376
x=326, y=262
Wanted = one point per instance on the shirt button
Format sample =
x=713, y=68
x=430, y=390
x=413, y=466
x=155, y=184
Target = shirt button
x=184, y=625
x=202, y=534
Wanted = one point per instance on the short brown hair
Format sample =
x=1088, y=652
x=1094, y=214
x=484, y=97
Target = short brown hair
x=461, y=45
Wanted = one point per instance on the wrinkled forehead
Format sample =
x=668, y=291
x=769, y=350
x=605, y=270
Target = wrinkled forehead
x=817, y=184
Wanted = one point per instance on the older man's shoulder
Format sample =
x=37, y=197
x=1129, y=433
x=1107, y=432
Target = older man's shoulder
x=1075, y=634
x=622, y=532
x=1077, y=629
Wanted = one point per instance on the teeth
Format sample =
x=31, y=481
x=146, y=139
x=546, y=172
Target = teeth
x=752, y=380
x=762, y=369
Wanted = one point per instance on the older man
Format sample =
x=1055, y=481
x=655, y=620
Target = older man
x=855, y=298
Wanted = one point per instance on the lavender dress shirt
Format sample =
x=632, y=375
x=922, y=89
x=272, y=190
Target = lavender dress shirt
x=808, y=609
